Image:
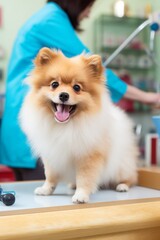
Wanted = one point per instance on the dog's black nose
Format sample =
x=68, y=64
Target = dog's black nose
x=64, y=97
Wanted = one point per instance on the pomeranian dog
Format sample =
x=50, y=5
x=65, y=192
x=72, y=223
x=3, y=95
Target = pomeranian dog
x=73, y=126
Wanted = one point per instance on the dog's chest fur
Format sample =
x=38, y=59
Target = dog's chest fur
x=61, y=145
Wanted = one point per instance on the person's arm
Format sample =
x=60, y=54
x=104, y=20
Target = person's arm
x=116, y=86
x=134, y=93
x=65, y=39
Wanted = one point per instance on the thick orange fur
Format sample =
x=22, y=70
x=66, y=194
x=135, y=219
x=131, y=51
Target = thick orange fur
x=79, y=148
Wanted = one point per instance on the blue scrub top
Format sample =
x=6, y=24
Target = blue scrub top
x=49, y=27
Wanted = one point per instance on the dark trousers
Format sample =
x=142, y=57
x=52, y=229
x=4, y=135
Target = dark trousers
x=27, y=174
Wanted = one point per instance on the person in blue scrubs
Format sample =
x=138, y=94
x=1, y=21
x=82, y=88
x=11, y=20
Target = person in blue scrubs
x=53, y=26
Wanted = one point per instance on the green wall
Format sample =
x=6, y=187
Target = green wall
x=15, y=13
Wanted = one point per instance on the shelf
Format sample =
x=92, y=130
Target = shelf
x=132, y=64
x=126, y=50
x=120, y=20
x=130, y=68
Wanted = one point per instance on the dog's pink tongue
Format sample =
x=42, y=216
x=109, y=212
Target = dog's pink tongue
x=62, y=113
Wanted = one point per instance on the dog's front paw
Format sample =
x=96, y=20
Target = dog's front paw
x=122, y=187
x=43, y=190
x=80, y=197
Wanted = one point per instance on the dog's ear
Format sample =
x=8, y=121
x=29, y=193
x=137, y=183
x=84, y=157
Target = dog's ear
x=95, y=64
x=44, y=56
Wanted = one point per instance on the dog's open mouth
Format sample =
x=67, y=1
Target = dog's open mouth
x=63, y=111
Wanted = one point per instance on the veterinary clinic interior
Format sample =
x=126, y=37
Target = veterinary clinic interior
x=122, y=37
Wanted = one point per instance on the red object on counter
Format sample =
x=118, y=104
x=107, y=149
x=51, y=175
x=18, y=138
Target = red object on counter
x=154, y=150
x=6, y=174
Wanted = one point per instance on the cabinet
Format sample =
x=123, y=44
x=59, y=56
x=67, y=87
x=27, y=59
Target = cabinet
x=133, y=65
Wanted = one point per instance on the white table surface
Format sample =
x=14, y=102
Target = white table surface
x=26, y=199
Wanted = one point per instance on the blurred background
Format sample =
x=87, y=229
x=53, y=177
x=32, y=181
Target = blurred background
x=110, y=23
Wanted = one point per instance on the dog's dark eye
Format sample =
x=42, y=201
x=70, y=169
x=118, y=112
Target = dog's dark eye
x=54, y=84
x=76, y=88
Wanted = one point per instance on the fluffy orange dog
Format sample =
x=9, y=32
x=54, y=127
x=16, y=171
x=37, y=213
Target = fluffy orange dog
x=73, y=126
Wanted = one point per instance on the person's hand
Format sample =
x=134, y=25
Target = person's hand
x=152, y=99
